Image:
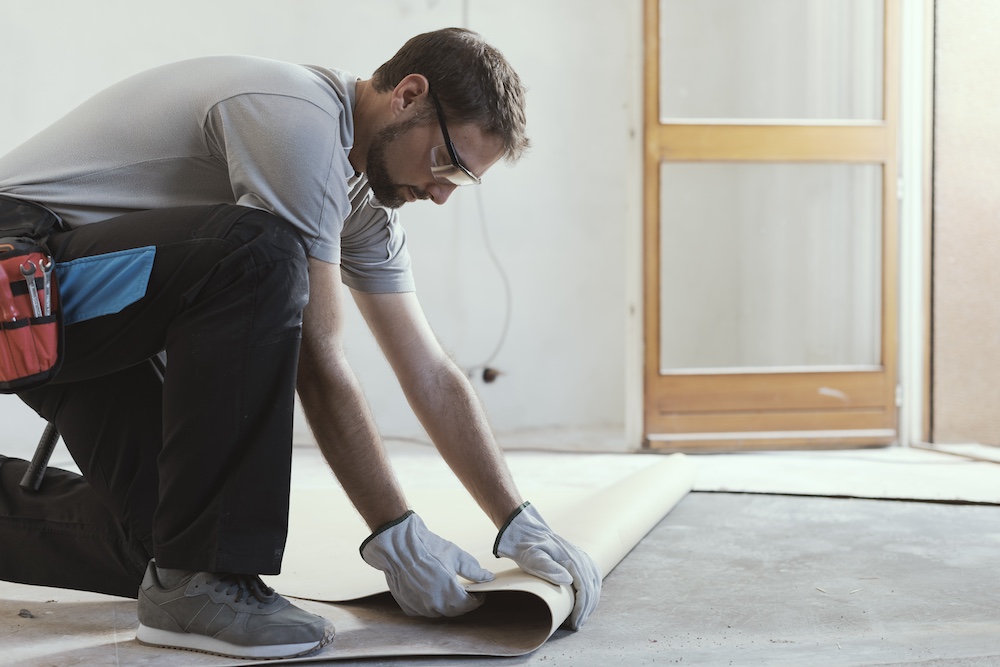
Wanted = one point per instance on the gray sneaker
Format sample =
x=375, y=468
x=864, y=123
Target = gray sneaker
x=231, y=615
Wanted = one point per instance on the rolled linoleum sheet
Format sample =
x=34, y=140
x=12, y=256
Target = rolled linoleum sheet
x=519, y=614
x=520, y=611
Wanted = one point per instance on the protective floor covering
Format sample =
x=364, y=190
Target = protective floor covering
x=895, y=473
x=604, y=503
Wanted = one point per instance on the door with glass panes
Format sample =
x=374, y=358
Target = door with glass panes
x=770, y=223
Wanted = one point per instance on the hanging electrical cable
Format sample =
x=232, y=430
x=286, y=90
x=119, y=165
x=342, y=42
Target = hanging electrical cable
x=485, y=369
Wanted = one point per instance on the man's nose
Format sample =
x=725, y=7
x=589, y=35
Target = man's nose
x=440, y=192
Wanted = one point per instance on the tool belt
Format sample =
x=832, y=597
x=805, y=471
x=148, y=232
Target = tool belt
x=31, y=331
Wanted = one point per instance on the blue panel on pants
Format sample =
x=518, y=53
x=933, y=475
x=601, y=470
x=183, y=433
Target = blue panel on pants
x=90, y=287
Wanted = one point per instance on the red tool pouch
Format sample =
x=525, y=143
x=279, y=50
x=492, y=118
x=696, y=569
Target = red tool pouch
x=31, y=338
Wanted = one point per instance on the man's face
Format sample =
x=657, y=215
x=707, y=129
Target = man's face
x=386, y=190
x=399, y=159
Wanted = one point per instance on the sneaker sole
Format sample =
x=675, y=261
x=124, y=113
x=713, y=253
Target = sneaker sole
x=203, y=644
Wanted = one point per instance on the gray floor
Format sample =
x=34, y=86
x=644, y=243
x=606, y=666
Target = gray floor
x=763, y=579
x=745, y=579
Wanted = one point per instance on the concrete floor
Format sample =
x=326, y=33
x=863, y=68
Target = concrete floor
x=746, y=579
x=798, y=580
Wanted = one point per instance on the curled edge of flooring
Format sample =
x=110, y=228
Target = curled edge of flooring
x=520, y=612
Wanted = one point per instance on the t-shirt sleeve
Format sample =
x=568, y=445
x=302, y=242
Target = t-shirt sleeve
x=285, y=156
x=374, y=254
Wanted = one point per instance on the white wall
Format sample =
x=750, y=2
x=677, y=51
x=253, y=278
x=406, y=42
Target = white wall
x=559, y=221
x=966, y=233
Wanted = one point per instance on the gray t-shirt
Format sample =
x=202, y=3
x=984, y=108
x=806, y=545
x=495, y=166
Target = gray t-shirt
x=221, y=129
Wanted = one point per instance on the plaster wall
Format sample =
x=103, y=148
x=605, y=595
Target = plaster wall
x=966, y=313
x=557, y=221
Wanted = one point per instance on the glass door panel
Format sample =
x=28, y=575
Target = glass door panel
x=771, y=59
x=770, y=266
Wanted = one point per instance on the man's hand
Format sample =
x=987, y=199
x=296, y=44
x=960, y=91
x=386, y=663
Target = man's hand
x=420, y=568
x=529, y=541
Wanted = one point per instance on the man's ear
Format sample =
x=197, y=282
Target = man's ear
x=411, y=88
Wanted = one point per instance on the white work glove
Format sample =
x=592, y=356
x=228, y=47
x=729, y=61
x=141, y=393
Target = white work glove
x=529, y=541
x=420, y=568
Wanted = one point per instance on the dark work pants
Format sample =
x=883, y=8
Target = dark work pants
x=191, y=467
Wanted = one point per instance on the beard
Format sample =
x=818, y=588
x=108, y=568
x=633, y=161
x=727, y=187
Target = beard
x=383, y=187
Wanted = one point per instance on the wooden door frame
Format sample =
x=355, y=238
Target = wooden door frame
x=772, y=410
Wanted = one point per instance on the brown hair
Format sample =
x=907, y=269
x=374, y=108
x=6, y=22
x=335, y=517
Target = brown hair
x=473, y=81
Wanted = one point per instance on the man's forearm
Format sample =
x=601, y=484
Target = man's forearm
x=443, y=399
x=453, y=416
x=345, y=431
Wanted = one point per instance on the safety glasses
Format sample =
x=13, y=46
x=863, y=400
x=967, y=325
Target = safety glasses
x=445, y=165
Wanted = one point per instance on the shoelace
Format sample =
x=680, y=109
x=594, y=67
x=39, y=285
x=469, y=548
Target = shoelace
x=245, y=586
